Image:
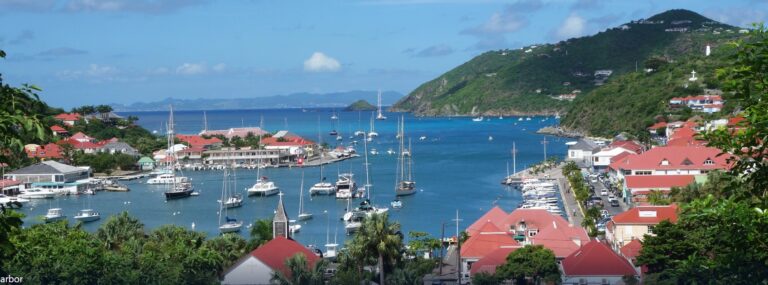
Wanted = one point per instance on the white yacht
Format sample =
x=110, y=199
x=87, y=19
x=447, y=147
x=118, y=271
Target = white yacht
x=346, y=186
x=231, y=225
x=263, y=187
x=87, y=215
x=37, y=193
x=168, y=178
x=11, y=199
x=54, y=214
x=374, y=151
x=293, y=227
x=477, y=119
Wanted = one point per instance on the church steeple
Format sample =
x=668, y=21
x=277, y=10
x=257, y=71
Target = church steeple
x=280, y=222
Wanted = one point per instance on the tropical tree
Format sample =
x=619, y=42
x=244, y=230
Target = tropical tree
x=378, y=238
x=261, y=233
x=656, y=197
x=119, y=229
x=301, y=272
x=485, y=278
x=530, y=262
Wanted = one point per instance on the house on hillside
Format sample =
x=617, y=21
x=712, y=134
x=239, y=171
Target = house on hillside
x=701, y=103
x=602, y=159
x=235, y=132
x=635, y=223
x=58, y=131
x=581, y=152
x=68, y=119
x=595, y=263
x=48, y=151
x=120, y=147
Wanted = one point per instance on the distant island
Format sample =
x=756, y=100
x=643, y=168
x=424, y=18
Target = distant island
x=360, y=105
x=295, y=100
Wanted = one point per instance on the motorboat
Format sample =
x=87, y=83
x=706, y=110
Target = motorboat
x=322, y=188
x=233, y=201
x=374, y=151
x=396, y=204
x=352, y=227
x=477, y=119
x=333, y=133
x=346, y=186
x=4, y=200
x=390, y=151
x=37, y=193
x=263, y=187
x=87, y=215
x=293, y=227
x=53, y=215
x=168, y=178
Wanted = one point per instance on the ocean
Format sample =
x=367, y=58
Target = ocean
x=458, y=165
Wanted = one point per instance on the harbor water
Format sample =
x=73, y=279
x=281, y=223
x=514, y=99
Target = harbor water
x=457, y=165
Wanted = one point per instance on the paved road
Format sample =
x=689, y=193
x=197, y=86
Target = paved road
x=599, y=187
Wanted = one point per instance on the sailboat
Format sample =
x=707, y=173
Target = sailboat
x=180, y=187
x=229, y=225
x=262, y=187
x=322, y=187
x=404, y=185
x=330, y=248
x=303, y=216
x=372, y=133
x=87, y=215
x=230, y=200
x=380, y=115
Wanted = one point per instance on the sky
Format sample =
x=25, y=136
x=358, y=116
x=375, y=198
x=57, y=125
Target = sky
x=123, y=51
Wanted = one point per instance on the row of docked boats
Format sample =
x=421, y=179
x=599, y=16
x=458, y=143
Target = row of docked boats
x=540, y=194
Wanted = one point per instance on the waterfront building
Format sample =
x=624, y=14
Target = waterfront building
x=292, y=143
x=635, y=223
x=147, y=163
x=595, y=263
x=10, y=187
x=581, y=152
x=249, y=156
x=235, y=132
x=200, y=142
x=602, y=159
x=51, y=174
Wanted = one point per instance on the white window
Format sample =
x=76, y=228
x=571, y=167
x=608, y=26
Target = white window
x=709, y=161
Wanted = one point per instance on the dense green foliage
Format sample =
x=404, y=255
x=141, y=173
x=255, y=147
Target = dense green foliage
x=532, y=262
x=301, y=272
x=120, y=252
x=105, y=162
x=143, y=140
x=520, y=81
x=360, y=105
x=722, y=228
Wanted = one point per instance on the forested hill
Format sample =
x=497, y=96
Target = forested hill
x=526, y=80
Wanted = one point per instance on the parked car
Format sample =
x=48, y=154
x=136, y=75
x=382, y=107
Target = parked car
x=595, y=200
x=614, y=203
x=612, y=198
x=604, y=192
x=604, y=214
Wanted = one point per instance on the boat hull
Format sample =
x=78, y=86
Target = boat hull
x=86, y=219
x=51, y=219
x=178, y=194
x=305, y=216
x=262, y=192
x=230, y=227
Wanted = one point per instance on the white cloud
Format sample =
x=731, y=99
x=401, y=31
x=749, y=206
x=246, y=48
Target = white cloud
x=572, y=27
x=219, y=67
x=159, y=71
x=93, y=72
x=191, y=68
x=319, y=62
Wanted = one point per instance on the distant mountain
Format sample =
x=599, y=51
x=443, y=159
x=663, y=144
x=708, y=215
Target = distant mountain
x=296, y=100
x=527, y=80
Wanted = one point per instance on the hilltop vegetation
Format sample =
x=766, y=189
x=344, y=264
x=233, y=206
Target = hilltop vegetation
x=631, y=102
x=360, y=105
x=525, y=81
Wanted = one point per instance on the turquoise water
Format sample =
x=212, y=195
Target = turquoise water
x=455, y=167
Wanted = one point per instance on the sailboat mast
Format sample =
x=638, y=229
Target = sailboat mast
x=379, y=103
x=514, y=158
x=410, y=161
x=205, y=122
x=368, y=185
x=301, y=194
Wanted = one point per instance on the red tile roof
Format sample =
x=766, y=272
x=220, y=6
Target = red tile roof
x=678, y=157
x=68, y=116
x=554, y=232
x=596, y=259
x=628, y=145
x=632, y=249
x=8, y=182
x=58, y=129
x=275, y=252
x=620, y=156
x=491, y=261
x=48, y=151
x=657, y=181
x=81, y=136
x=646, y=215
x=78, y=144
x=496, y=216
x=658, y=125
x=199, y=141
x=288, y=141
x=483, y=243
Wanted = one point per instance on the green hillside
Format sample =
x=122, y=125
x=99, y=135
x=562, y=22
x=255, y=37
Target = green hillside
x=360, y=105
x=524, y=81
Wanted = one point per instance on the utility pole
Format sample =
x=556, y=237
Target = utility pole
x=442, y=239
x=458, y=249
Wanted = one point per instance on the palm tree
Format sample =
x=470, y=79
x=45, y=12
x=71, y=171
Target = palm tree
x=656, y=197
x=119, y=229
x=300, y=272
x=261, y=233
x=378, y=237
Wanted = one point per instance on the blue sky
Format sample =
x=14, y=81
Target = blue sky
x=123, y=51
